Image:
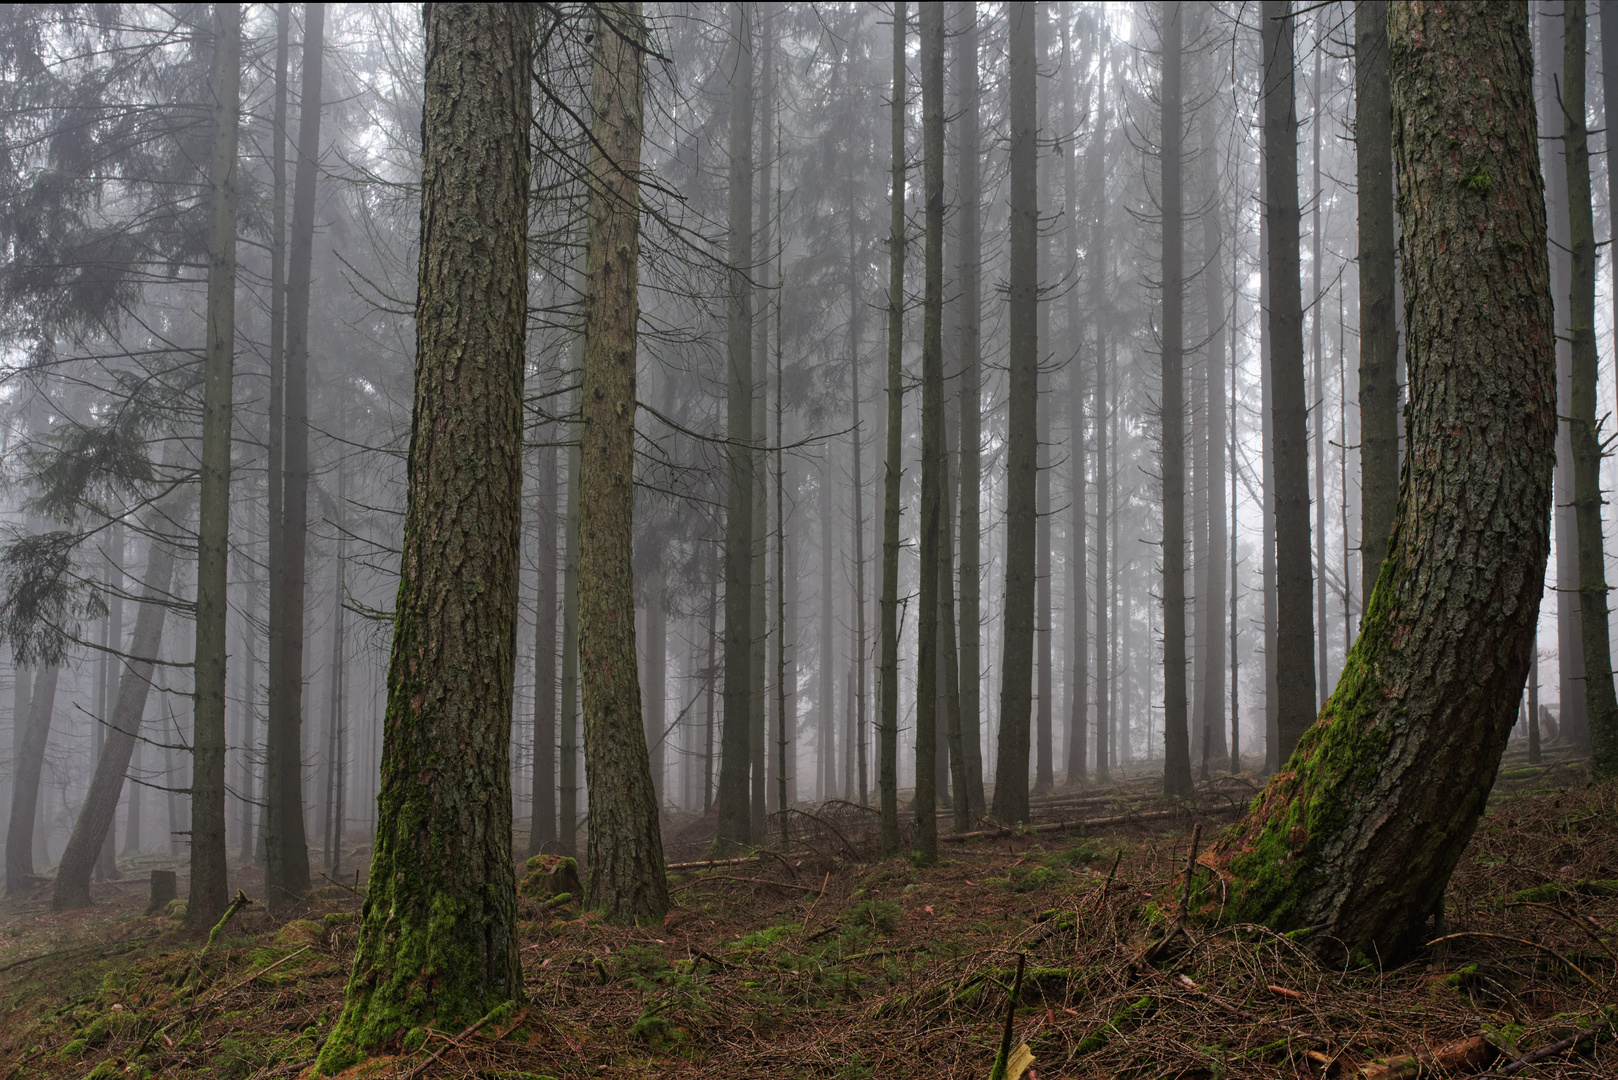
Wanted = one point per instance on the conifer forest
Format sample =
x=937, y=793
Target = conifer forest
x=808, y=540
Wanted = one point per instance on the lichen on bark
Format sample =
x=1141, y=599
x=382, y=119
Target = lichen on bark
x=1358, y=835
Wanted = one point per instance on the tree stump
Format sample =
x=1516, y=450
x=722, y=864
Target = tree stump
x=165, y=887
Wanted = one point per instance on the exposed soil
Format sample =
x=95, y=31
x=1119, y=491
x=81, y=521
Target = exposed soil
x=818, y=961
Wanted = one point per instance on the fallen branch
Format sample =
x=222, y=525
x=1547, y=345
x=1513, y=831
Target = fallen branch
x=1551, y=1050
x=1521, y=941
x=1089, y=823
x=473, y=1030
x=1467, y=1054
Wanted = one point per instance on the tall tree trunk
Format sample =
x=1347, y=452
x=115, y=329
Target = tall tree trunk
x=1022, y=450
x=95, y=820
x=969, y=194
x=1600, y=703
x=1272, y=697
x=1213, y=628
x=1044, y=711
x=735, y=811
x=107, y=860
x=758, y=663
x=1317, y=397
x=208, y=869
x=711, y=677
x=336, y=721
x=1295, y=624
x=437, y=942
x=1096, y=164
x=1176, y=748
x=826, y=700
x=1078, y=602
x=1609, y=115
x=654, y=681
x=542, y=813
x=286, y=871
x=626, y=845
x=1379, y=339
x=932, y=429
x=1570, y=645
x=275, y=466
x=568, y=787
x=783, y=585
x=856, y=310
x=888, y=781
x=1358, y=838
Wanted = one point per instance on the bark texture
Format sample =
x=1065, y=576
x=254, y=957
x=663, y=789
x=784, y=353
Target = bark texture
x=437, y=939
x=1359, y=835
x=208, y=892
x=626, y=847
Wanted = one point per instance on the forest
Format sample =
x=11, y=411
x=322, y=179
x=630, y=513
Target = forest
x=803, y=539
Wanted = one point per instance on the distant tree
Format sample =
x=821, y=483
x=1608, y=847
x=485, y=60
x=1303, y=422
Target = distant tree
x=1357, y=837
x=437, y=937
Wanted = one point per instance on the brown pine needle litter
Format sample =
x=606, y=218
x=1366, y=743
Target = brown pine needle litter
x=820, y=961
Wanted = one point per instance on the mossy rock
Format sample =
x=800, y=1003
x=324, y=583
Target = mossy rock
x=547, y=876
x=175, y=909
x=299, y=932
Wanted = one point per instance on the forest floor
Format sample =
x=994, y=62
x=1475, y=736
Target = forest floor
x=821, y=961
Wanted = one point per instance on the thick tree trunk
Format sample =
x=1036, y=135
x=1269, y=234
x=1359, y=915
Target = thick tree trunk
x=735, y=811
x=1295, y=625
x=286, y=848
x=208, y=892
x=437, y=938
x=275, y=465
x=94, y=824
x=1176, y=747
x=1379, y=339
x=1044, y=690
x=888, y=669
x=542, y=813
x=626, y=846
x=1600, y=704
x=1022, y=450
x=969, y=326
x=1358, y=837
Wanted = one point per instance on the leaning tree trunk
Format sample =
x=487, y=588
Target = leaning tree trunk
x=94, y=825
x=625, y=848
x=208, y=869
x=1022, y=450
x=1357, y=837
x=437, y=940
